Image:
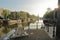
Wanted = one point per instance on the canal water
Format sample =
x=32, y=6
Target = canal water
x=36, y=25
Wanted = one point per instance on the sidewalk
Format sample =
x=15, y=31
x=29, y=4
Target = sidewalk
x=35, y=35
x=38, y=35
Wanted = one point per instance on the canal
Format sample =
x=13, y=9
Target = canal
x=36, y=25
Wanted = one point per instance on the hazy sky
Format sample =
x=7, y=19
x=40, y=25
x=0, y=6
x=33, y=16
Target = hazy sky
x=32, y=6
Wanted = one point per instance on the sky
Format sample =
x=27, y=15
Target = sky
x=36, y=7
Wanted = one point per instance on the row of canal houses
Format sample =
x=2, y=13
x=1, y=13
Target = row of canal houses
x=12, y=13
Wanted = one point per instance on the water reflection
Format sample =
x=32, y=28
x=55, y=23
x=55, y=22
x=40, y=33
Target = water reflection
x=34, y=25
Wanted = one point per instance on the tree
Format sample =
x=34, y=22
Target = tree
x=49, y=18
x=48, y=15
x=6, y=13
x=5, y=22
x=33, y=18
x=24, y=14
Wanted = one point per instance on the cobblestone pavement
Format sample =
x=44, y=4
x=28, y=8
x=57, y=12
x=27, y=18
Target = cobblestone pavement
x=35, y=35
